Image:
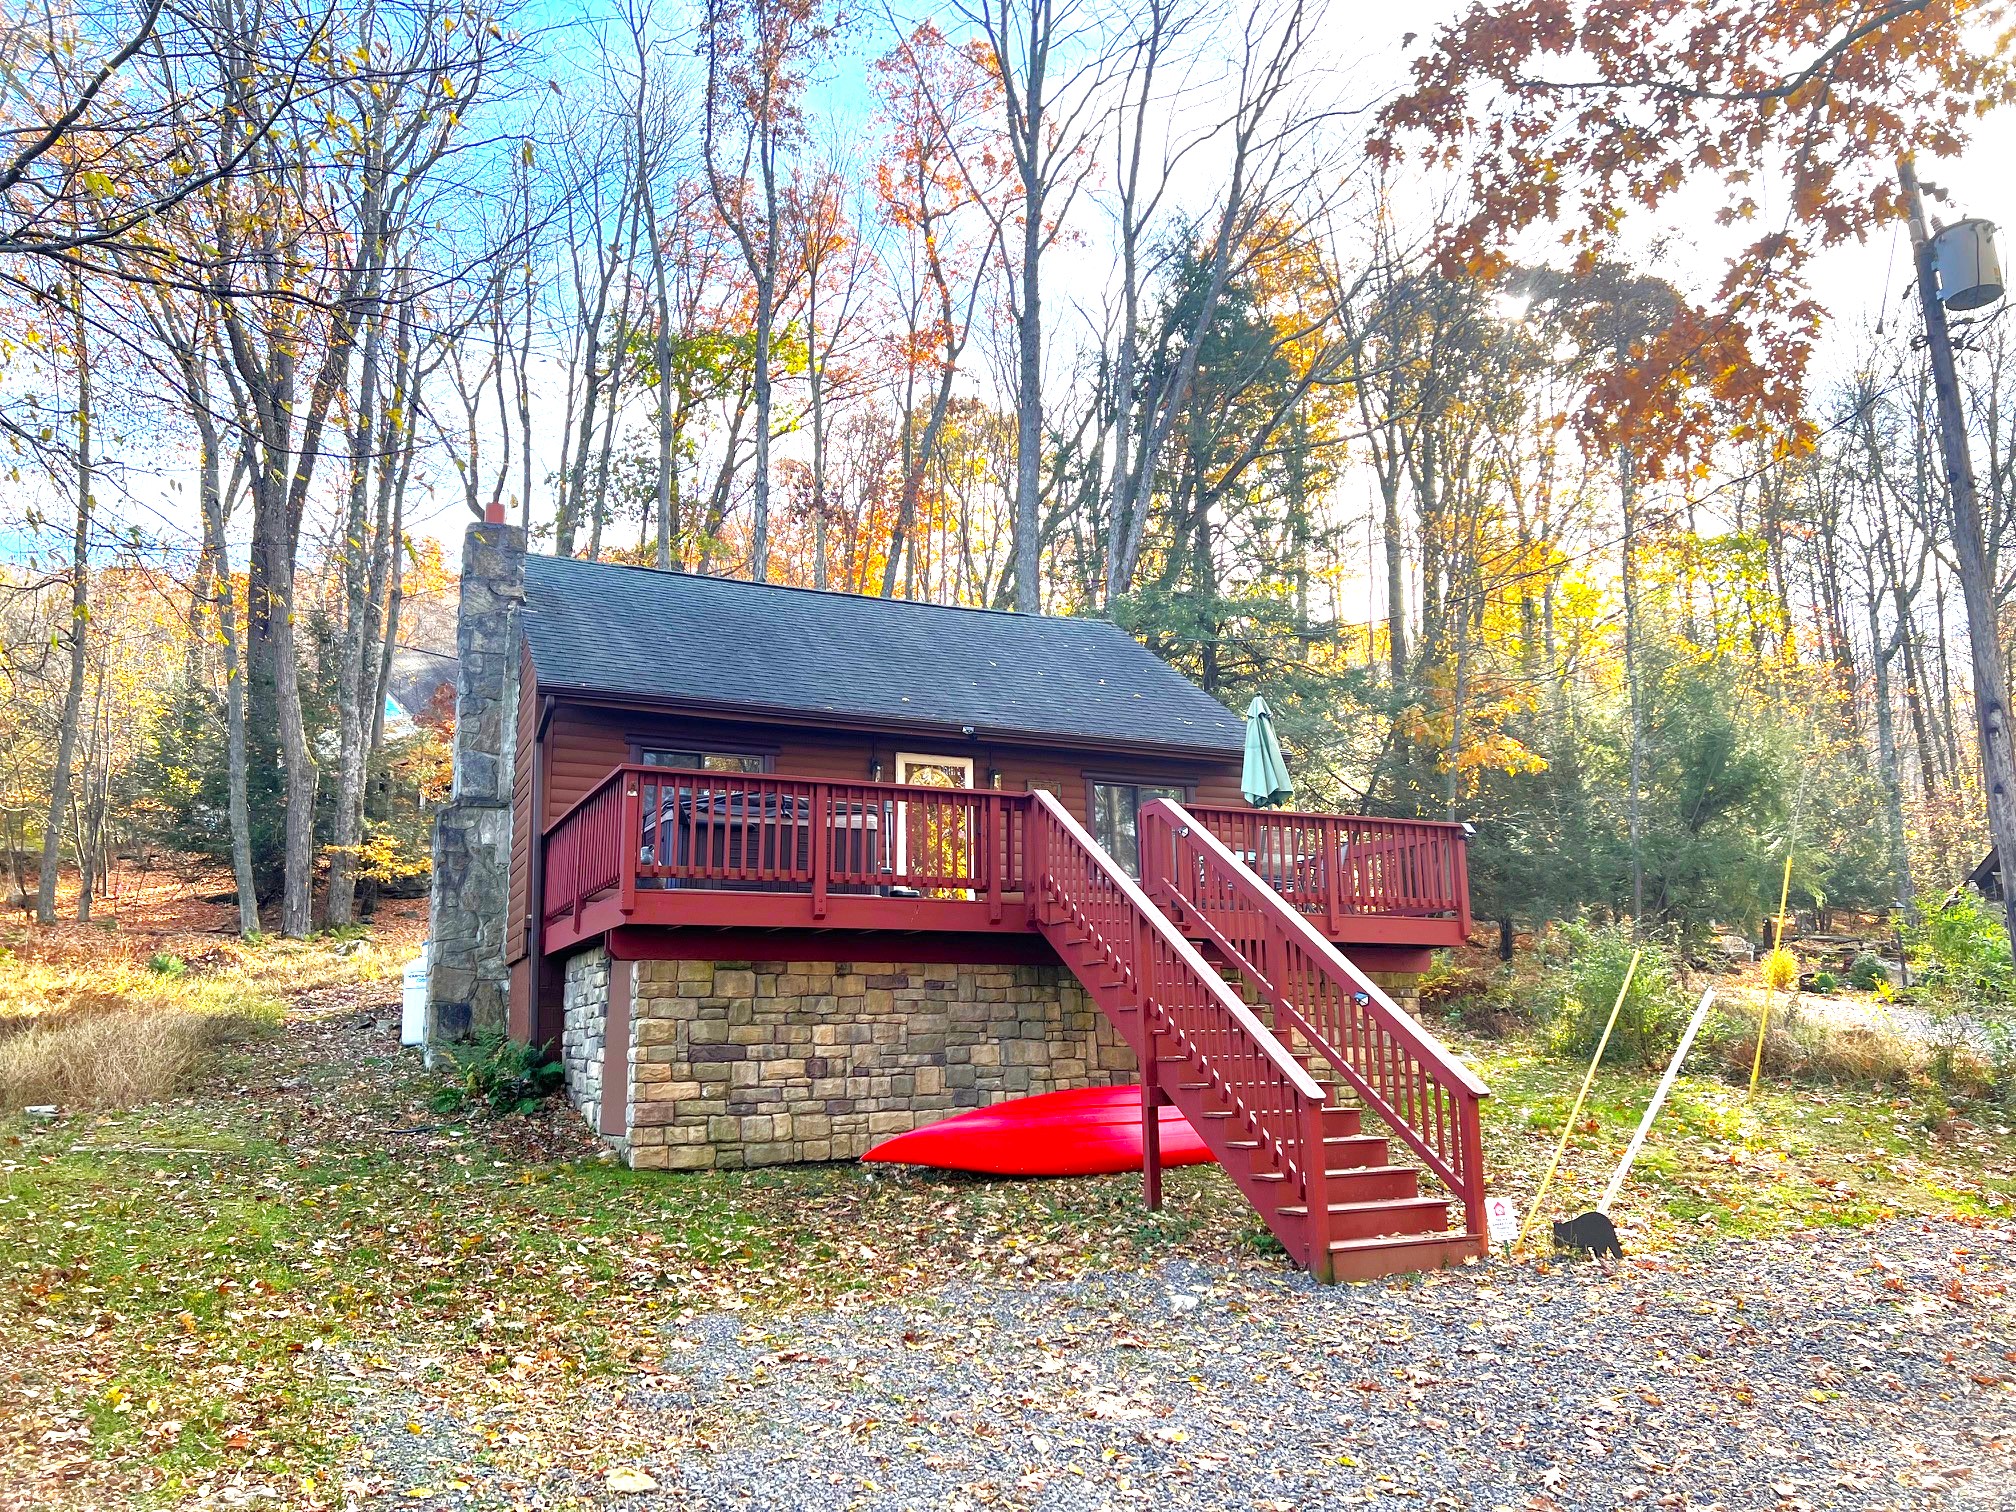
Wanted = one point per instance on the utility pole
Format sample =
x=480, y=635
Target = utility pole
x=1970, y=555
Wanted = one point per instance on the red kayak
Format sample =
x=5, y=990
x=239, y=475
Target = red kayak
x=1089, y=1131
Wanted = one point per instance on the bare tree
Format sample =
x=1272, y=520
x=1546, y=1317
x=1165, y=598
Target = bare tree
x=1048, y=60
x=933, y=103
x=80, y=616
x=757, y=53
x=836, y=257
x=1262, y=136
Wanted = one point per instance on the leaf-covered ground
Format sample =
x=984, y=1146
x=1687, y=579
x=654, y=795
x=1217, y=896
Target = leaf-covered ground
x=299, y=1284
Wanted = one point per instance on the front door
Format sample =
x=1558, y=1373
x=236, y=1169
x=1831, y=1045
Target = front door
x=934, y=836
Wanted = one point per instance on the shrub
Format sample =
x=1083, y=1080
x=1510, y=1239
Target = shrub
x=1495, y=1004
x=500, y=1073
x=1781, y=969
x=162, y=963
x=110, y=1058
x=1825, y=981
x=1961, y=953
x=1653, y=1013
x=1804, y=1049
x=1866, y=973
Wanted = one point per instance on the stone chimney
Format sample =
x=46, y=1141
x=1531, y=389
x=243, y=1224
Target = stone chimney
x=468, y=985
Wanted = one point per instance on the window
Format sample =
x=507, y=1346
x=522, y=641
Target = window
x=702, y=761
x=1115, y=824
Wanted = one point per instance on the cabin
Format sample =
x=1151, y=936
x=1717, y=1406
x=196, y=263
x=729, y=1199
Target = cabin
x=780, y=872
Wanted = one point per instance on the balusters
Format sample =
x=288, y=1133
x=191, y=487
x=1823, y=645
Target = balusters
x=1426, y=1097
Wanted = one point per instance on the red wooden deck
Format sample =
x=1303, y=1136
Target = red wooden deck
x=656, y=846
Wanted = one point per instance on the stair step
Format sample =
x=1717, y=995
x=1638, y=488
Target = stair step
x=1369, y=1259
x=1347, y=1121
x=1356, y=1150
x=1390, y=1218
x=1377, y=1221
x=1363, y=1183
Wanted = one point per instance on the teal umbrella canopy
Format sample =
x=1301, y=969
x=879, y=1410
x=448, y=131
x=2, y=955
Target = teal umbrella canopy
x=1265, y=780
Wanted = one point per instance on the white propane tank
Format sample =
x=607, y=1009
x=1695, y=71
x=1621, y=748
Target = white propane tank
x=413, y=999
x=1970, y=275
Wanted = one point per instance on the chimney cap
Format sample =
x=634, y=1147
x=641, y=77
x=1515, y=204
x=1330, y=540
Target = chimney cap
x=493, y=512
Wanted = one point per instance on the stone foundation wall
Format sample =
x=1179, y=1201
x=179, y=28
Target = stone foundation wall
x=760, y=1063
x=585, y=1001
x=737, y=1063
x=1404, y=987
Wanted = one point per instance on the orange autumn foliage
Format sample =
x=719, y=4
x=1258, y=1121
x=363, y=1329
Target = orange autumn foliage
x=1576, y=115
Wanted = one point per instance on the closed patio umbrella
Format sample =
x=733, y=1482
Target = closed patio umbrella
x=1265, y=780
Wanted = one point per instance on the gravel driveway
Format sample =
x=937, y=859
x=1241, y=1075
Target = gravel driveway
x=1834, y=1369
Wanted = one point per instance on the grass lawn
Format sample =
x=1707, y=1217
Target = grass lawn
x=207, y=1291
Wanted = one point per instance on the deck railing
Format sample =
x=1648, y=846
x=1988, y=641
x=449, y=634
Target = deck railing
x=1423, y=1093
x=654, y=828
x=1335, y=866
x=665, y=828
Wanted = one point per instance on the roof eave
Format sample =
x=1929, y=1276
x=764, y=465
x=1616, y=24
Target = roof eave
x=983, y=734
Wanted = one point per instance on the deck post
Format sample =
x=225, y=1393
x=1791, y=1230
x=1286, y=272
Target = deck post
x=1333, y=875
x=989, y=843
x=1471, y=1139
x=631, y=838
x=1151, y=1125
x=1463, y=883
x=1036, y=859
x=1316, y=1179
x=612, y=1115
x=823, y=817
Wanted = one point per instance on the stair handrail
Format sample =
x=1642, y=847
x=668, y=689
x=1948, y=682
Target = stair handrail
x=1179, y=946
x=1153, y=927
x=1183, y=851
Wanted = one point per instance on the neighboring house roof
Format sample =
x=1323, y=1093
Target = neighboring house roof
x=730, y=645
x=417, y=679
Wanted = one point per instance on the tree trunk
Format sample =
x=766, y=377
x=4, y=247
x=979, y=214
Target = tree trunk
x=1627, y=492
x=80, y=620
x=1029, y=417
x=662, y=351
x=238, y=808
x=346, y=831
x=1886, y=758
x=1977, y=590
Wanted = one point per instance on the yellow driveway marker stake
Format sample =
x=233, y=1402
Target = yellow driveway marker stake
x=1777, y=944
x=1569, y=1127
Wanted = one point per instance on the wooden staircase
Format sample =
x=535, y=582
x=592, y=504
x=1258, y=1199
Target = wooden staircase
x=1282, y=1106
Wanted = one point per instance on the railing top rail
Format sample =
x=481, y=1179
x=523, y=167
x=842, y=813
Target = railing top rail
x=1242, y=812
x=1400, y=1024
x=1297, y=1074
x=911, y=790
x=614, y=774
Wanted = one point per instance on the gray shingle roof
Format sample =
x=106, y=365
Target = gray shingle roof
x=723, y=643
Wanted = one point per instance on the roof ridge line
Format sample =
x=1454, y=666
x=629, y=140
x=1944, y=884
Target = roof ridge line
x=834, y=593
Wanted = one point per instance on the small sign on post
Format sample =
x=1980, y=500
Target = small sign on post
x=1501, y=1219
